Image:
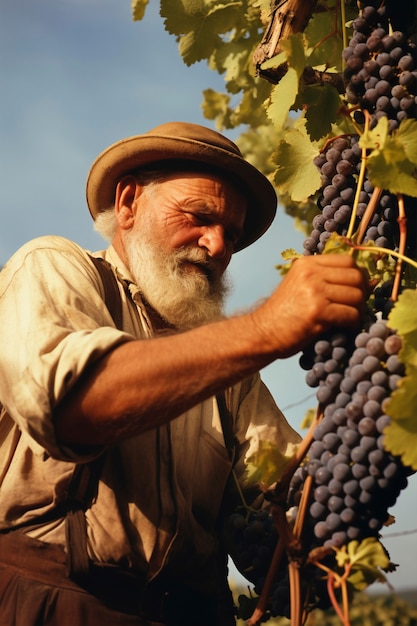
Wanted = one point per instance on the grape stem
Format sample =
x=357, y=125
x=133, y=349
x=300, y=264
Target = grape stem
x=288, y=540
x=382, y=251
x=335, y=580
x=260, y=609
x=368, y=215
x=402, y=223
x=279, y=493
x=343, y=20
x=359, y=185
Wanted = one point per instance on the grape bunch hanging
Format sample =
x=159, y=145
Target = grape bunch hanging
x=348, y=481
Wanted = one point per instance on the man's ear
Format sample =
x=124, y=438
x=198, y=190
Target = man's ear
x=127, y=191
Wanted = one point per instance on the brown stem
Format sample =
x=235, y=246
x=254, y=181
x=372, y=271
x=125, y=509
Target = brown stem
x=280, y=491
x=302, y=507
x=333, y=599
x=270, y=577
x=402, y=222
x=368, y=215
x=295, y=593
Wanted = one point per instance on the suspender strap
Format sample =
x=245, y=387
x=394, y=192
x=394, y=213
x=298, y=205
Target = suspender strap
x=226, y=422
x=83, y=485
x=111, y=290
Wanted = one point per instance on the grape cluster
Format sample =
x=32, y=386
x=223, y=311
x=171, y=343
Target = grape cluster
x=252, y=538
x=381, y=68
x=339, y=165
x=355, y=481
x=325, y=361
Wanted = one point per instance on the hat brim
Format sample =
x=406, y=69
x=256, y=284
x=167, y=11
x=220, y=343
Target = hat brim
x=135, y=152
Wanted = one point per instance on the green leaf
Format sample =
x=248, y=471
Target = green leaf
x=319, y=98
x=323, y=40
x=198, y=25
x=294, y=49
x=296, y=173
x=392, y=159
x=366, y=559
x=216, y=107
x=402, y=317
x=138, y=9
x=292, y=52
x=407, y=135
x=282, y=98
x=400, y=436
x=274, y=61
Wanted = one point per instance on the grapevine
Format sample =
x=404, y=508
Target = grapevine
x=340, y=494
x=352, y=175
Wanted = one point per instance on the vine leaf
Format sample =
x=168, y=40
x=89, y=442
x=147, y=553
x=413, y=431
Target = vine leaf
x=198, y=25
x=319, y=98
x=323, y=39
x=138, y=9
x=282, y=98
x=296, y=173
x=267, y=465
x=392, y=158
x=284, y=94
x=401, y=433
x=365, y=561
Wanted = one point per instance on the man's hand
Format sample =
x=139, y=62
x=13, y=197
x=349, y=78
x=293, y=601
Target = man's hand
x=317, y=293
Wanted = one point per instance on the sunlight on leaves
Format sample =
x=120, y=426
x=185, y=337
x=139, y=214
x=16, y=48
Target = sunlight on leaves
x=296, y=173
x=138, y=9
x=392, y=158
x=366, y=560
x=266, y=466
x=401, y=434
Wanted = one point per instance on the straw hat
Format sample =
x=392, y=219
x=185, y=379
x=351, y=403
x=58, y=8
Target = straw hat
x=179, y=141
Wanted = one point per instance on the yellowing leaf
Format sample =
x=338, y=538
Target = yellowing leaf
x=198, y=25
x=400, y=436
x=309, y=416
x=294, y=49
x=407, y=134
x=266, y=466
x=366, y=559
x=289, y=254
x=282, y=98
x=138, y=9
x=392, y=160
x=375, y=139
x=274, y=61
x=402, y=316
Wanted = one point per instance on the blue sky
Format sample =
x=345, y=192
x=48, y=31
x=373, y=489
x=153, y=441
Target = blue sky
x=77, y=75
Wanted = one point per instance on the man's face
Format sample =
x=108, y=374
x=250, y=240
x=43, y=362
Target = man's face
x=181, y=243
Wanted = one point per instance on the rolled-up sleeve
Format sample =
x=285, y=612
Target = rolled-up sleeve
x=53, y=325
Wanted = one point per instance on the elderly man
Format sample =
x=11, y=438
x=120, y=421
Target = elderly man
x=116, y=445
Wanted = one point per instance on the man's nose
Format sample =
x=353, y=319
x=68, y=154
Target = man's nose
x=213, y=239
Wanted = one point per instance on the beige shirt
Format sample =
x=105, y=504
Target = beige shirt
x=159, y=492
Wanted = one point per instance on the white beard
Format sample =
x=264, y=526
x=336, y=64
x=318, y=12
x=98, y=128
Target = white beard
x=183, y=296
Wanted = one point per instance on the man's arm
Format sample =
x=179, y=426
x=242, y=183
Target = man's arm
x=142, y=384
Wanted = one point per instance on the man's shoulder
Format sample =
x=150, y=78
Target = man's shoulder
x=46, y=255
x=46, y=245
x=50, y=243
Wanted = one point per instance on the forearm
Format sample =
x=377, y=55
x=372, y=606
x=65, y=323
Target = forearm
x=142, y=384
